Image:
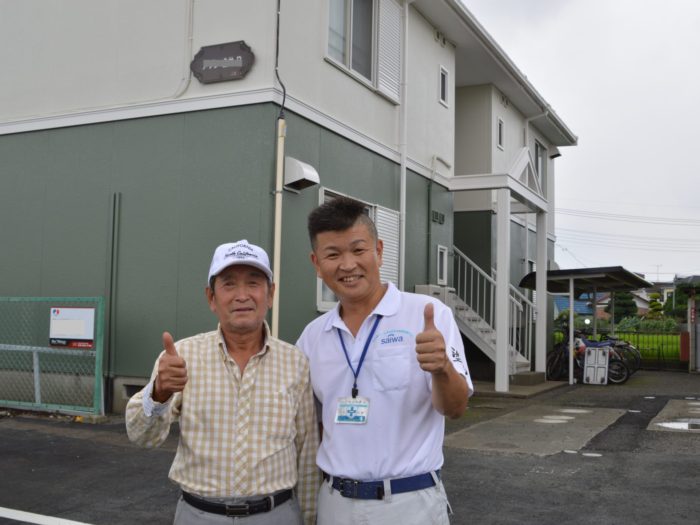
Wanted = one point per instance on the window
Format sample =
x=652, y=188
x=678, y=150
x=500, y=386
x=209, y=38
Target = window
x=352, y=44
x=540, y=162
x=501, y=133
x=443, y=86
x=442, y=265
x=387, y=223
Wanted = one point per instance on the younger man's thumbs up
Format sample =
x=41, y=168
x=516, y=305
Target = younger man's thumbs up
x=430, y=345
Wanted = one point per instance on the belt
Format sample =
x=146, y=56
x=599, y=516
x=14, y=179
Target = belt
x=240, y=509
x=352, y=488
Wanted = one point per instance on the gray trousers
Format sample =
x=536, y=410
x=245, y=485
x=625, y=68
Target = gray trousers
x=421, y=507
x=286, y=514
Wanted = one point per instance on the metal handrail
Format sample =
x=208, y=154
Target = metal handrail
x=477, y=290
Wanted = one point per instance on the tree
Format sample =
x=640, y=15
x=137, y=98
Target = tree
x=656, y=309
x=676, y=305
x=624, y=305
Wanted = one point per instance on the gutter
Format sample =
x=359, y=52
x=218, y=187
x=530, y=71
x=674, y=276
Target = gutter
x=403, y=147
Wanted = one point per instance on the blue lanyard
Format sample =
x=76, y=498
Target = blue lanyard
x=356, y=373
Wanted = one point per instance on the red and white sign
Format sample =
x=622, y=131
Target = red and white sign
x=72, y=327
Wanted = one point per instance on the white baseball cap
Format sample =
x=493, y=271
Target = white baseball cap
x=239, y=252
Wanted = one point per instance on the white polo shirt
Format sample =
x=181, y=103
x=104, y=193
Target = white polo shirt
x=403, y=435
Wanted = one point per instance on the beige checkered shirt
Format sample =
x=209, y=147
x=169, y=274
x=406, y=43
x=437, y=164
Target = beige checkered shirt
x=241, y=434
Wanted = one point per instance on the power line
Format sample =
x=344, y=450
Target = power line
x=623, y=236
x=565, y=249
x=627, y=218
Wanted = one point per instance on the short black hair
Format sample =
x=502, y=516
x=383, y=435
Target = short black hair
x=338, y=215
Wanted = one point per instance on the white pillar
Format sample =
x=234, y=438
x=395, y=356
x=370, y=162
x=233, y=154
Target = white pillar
x=571, y=330
x=541, y=293
x=502, y=288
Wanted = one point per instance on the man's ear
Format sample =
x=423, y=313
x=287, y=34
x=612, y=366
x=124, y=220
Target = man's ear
x=210, y=297
x=380, y=251
x=314, y=261
x=270, y=295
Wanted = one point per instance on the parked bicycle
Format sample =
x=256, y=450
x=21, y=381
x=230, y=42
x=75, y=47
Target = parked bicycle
x=629, y=353
x=558, y=359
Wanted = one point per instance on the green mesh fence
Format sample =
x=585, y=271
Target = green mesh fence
x=63, y=374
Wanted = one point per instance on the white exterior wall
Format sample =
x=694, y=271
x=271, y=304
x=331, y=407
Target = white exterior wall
x=85, y=59
x=312, y=79
x=71, y=57
x=431, y=125
x=514, y=123
x=473, y=141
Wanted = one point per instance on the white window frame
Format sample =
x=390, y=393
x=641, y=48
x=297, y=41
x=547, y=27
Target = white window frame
x=444, y=81
x=324, y=195
x=500, y=134
x=540, y=162
x=386, y=49
x=441, y=266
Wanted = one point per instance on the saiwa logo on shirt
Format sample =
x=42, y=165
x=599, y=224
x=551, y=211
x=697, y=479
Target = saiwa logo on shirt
x=394, y=338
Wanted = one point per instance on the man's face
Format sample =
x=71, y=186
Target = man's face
x=348, y=261
x=241, y=298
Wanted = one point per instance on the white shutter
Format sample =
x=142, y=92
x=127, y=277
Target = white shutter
x=389, y=49
x=387, y=222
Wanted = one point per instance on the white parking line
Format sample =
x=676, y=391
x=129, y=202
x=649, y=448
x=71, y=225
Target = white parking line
x=28, y=517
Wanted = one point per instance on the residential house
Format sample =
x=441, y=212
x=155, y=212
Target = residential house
x=135, y=142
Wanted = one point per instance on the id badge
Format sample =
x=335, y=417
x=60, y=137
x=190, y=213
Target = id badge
x=352, y=410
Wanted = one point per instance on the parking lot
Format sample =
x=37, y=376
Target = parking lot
x=579, y=454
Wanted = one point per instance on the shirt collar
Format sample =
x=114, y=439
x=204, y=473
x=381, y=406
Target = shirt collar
x=388, y=306
x=222, y=341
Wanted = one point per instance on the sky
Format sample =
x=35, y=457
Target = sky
x=624, y=75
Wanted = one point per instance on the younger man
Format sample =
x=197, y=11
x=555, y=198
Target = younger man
x=386, y=366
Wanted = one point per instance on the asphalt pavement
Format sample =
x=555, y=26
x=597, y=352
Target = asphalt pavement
x=616, y=454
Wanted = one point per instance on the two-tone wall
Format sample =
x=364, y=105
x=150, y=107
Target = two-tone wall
x=183, y=183
x=83, y=62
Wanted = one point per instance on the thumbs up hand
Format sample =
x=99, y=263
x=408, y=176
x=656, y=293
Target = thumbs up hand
x=430, y=345
x=172, y=372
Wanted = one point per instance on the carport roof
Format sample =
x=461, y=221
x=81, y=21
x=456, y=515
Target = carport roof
x=601, y=279
x=688, y=282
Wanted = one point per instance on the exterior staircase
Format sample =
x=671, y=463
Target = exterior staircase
x=472, y=300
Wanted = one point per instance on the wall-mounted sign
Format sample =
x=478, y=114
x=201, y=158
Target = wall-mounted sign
x=72, y=327
x=221, y=62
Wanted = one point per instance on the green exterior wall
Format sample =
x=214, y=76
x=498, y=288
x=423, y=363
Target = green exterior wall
x=473, y=236
x=186, y=183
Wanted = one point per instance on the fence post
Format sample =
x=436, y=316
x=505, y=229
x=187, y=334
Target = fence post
x=37, y=379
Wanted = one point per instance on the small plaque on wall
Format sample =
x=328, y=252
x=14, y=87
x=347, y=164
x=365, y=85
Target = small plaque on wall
x=222, y=62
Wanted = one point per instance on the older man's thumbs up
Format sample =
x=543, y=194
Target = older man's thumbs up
x=430, y=345
x=172, y=372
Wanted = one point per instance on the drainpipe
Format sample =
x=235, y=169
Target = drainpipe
x=403, y=146
x=279, y=179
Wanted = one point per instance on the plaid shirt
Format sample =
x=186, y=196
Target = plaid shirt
x=241, y=434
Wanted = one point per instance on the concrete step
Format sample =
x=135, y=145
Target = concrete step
x=527, y=378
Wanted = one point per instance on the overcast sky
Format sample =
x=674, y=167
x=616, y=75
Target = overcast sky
x=624, y=75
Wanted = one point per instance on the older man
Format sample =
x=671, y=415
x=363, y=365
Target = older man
x=248, y=433
x=387, y=366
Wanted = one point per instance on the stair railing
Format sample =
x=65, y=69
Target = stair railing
x=475, y=287
x=477, y=290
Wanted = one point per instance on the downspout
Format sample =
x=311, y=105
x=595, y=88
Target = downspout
x=526, y=138
x=403, y=147
x=279, y=179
